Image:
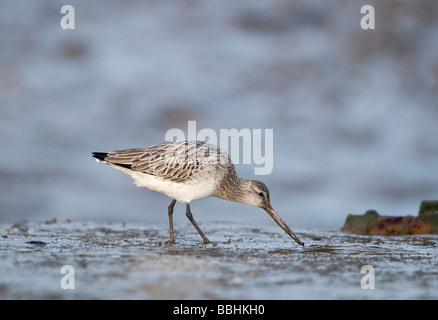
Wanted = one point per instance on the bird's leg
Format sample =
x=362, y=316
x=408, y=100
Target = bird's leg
x=190, y=217
x=170, y=212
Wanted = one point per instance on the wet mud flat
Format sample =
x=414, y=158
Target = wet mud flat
x=132, y=261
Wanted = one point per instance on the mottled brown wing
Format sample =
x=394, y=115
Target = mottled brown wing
x=176, y=161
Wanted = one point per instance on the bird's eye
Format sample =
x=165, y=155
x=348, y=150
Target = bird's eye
x=261, y=194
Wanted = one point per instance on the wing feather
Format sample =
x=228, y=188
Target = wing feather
x=176, y=161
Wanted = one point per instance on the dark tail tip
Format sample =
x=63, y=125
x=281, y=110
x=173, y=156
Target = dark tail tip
x=100, y=155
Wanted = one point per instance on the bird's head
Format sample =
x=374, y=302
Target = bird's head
x=256, y=193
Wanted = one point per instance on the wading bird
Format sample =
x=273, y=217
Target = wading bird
x=187, y=171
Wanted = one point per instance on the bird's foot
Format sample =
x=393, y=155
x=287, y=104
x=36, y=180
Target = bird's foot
x=170, y=242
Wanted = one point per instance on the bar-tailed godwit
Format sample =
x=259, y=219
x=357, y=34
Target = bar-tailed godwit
x=187, y=171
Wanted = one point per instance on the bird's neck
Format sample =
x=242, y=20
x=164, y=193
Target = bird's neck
x=232, y=189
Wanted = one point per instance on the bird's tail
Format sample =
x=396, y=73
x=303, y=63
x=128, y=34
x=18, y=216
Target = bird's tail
x=100, y=156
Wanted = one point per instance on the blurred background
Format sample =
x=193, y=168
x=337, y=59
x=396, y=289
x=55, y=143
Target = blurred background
x=354, y=112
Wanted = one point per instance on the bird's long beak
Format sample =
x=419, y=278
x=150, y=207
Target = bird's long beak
x=283, y=225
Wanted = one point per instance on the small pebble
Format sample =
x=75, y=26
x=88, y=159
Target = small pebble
x=37, y=243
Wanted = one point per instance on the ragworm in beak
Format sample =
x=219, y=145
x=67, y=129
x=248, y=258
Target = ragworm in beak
x=282, y=224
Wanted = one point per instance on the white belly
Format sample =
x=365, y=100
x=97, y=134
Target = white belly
x=181, y=191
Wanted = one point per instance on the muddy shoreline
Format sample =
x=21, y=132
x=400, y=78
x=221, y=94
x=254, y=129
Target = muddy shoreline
x=131, y=261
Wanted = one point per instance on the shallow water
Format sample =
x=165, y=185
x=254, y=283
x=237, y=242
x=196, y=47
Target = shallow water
x=131, y=261
x=353, y=112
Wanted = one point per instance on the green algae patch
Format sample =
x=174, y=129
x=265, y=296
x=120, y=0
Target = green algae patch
x=372, y=223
